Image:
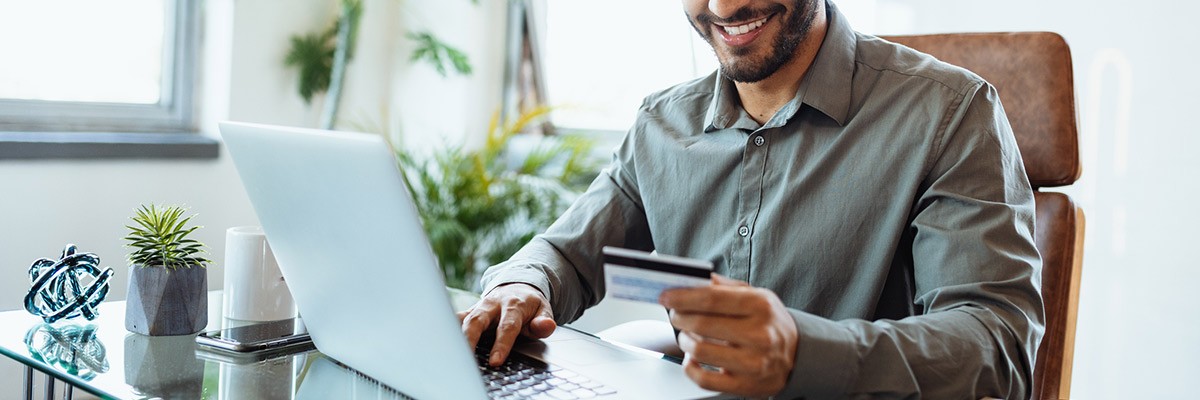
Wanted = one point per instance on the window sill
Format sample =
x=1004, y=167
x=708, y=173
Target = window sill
x=97, y=145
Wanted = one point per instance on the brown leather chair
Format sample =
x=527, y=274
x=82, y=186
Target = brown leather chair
x=1032, y=72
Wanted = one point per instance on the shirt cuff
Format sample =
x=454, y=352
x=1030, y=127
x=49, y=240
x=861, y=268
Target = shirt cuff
x=519, y=274
x=826, y=359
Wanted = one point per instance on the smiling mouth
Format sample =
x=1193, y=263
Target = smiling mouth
x=744, y=28
x=743, y=34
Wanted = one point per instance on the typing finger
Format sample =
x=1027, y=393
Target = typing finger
x=512, y=318
x=476, y=321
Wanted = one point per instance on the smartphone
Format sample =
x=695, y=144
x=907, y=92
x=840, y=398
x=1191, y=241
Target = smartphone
x=264, y=337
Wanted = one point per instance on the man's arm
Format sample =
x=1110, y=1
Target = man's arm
x=564, y=263
x=977, y=274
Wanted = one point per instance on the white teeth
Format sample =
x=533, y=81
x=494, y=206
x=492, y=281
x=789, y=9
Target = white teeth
x=742, y=29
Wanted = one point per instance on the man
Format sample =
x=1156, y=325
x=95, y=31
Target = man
x=866, y=202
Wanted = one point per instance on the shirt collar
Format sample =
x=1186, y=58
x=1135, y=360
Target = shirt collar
x=726, y=110
x=825, y=86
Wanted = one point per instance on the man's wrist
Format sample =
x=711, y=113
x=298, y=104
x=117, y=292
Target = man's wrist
x=507, y=274
x=825, y=360
x=539, y=290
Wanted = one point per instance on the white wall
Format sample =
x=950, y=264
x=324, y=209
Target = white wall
x=46, y=204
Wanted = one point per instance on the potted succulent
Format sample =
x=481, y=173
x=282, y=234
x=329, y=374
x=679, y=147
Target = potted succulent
x=168, y=284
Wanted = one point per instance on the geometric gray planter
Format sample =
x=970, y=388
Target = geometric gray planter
x=162, y=302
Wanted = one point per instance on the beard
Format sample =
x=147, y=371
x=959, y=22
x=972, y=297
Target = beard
x=742, y=64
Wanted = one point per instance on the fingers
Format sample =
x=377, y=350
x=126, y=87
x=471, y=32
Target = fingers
x=737, y=339
x=725, y=355
x=542, y=325
x=720, y=311
x=477, y=320
x=731, y=300
x=512, y=320
x=707, y=377
x=512, y=310
x=721, y=327
x=718, y=279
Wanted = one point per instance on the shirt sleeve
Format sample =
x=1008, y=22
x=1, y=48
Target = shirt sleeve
x=565, y=262
x=977, y=278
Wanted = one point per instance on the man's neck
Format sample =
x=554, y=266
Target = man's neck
x=764, y=98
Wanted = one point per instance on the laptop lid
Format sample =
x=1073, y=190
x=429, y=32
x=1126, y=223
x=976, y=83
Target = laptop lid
x=350, y=243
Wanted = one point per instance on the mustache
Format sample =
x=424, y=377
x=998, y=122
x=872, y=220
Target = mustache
x=742, y=14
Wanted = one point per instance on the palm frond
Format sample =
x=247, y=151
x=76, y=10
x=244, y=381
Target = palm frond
x=313, y=56
x=438, y=54
x=313, y=53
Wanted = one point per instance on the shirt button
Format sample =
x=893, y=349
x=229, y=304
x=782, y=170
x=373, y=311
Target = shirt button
x=743, y=230
x=759, y=141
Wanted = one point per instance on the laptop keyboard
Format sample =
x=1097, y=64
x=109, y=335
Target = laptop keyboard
x=523, y=377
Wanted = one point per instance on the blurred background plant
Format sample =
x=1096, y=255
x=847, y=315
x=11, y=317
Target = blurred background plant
x=321, y=57
x=480, y=206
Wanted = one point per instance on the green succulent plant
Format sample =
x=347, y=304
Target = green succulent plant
x=159, y=238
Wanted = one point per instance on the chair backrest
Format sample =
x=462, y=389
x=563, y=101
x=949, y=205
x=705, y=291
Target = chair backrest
x=1032, y=72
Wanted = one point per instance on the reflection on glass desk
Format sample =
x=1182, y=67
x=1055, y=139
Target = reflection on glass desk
x=101, y=358
x=72, y=348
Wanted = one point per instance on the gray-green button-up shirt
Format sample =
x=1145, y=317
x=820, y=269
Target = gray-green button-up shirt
x=886, y=205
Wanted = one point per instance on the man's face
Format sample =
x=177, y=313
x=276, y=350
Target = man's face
x=752, y=38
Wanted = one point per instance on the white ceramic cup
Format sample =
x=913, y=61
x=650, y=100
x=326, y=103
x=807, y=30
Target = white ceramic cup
x=254, y=287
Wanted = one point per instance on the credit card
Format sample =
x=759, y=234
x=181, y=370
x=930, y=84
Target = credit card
x=641, y=276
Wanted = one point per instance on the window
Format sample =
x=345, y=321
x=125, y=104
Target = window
x=602, y=61
x=98, y=66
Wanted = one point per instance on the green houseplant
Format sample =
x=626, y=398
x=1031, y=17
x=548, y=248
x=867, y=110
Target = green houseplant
x=168, y=284
x=322, y=57
x=480, y=206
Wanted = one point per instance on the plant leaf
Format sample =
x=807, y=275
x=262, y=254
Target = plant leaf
x=163, y=239
x=476, y=207
x=438, y=54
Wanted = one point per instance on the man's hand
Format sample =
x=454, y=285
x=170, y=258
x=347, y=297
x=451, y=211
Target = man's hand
x=512, y=309
x=736, y=338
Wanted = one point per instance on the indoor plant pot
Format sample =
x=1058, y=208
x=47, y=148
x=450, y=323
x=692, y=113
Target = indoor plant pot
x=163, y=302
x=168, y=284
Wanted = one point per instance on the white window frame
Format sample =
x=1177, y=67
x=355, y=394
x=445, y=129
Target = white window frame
x=175, y=112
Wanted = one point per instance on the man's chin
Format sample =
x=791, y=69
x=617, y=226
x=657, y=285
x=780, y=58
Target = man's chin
x=745, y=75
x=744, y=69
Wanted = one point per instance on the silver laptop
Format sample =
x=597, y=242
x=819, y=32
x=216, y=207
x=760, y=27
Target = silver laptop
x=349, y=241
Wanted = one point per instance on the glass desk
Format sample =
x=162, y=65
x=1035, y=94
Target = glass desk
x=101, y=358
